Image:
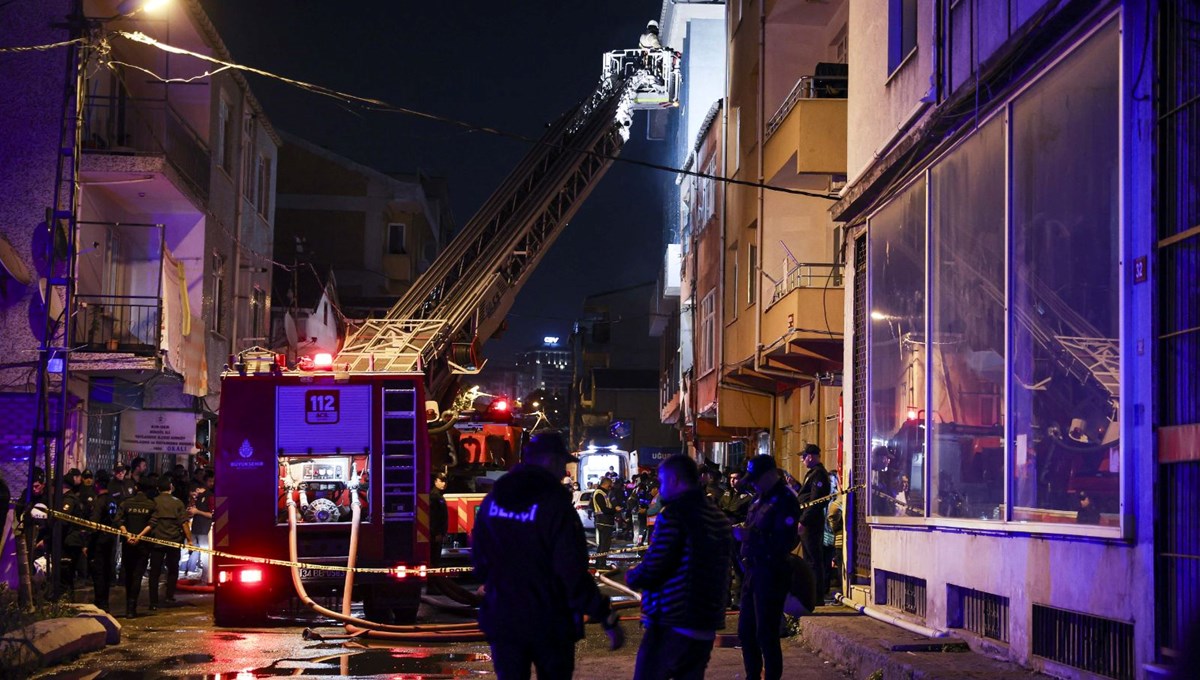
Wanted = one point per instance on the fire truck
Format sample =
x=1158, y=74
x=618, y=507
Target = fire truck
x=366, y=427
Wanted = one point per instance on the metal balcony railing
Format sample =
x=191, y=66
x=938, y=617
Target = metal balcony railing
x=117, y=323
x=124, y=125
x=829, y=82
x=809, y=275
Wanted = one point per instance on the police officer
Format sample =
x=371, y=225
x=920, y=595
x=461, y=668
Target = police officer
x=439, y=518
x=530, y=552
x=133, y=517
x=168, y=522
x=73, y=535
x=816, y=485
x=767, y=537
x=102, y=544
x=605, y=514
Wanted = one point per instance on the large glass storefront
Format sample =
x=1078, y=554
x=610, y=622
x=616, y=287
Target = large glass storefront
x=994, y=313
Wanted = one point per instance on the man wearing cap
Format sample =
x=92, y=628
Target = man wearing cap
x=768, y=535
x=530, y=552
x=816, y=486
x=73, y=535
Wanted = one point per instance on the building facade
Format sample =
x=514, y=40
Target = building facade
x=999, y=395
x=171, y=229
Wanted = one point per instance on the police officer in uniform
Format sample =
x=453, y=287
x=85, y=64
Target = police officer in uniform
x=530, y=552
x=812, y=519
x=133, y=517
x=605, y=514
x=73, y=535
x=767, y=537
x=102, y=545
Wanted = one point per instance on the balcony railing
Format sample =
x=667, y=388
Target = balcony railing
x=829, y=82
x=124, y=125
x=808, y=275
x=117, y=323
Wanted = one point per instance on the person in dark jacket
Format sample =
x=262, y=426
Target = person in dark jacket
x=816, y=486
x=74, y=537
x=530, y=552
x=767, y=537
x=605, y=515
x=684, y=577
x=168, y=522
x=133, y=517
x=439, y=518
x=102, y=545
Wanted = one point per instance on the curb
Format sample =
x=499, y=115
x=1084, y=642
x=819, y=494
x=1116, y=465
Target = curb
x=53, y=641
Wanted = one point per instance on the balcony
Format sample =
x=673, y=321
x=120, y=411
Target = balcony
x=807, y=135
x=120, y=125
x=118, y=296
x=806, y=315
x=127, y=324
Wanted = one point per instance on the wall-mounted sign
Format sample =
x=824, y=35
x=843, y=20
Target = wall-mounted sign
x=158, y=431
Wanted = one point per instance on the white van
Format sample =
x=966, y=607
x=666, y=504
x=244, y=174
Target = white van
x=595, y=461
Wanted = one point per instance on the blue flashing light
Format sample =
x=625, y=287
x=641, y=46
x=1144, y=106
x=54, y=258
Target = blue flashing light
x=55, y=365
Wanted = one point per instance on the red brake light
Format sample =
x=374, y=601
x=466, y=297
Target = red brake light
x=222, y=577
x=251, y=576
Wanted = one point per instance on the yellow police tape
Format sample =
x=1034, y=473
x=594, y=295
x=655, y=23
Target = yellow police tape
x=428, y=571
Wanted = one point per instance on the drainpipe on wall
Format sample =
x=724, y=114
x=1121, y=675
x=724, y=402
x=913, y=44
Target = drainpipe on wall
x=760, y=124
x=892, y=619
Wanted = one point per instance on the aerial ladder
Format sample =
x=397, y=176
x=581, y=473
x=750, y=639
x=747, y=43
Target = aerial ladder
x=440, y=323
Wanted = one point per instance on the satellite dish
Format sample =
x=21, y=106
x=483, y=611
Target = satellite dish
x=12, y=263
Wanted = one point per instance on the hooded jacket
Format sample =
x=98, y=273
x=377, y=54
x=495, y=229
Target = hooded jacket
x=685, y=573
x=530, y=551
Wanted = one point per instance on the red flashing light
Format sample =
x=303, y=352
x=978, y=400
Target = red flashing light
x=400, y=572
x=223, y=577
x=323, y=360
x=500, y=405
x=251, y=576
x=915, y=414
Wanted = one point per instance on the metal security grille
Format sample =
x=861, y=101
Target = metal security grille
x=1090, y=643
x=981, y=613
x=102, y=441
x=860, y=555
x=903, y=592
x=1177, y=262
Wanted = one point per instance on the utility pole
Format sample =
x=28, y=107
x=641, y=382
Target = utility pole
x=50, y=426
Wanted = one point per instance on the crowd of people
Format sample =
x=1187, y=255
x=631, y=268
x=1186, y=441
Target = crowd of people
x=709, y=537
x=175, y=507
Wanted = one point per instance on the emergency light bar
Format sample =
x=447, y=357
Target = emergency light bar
x=404, y=571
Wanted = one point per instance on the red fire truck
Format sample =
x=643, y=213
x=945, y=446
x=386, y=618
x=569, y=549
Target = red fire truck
x=359, y=424
x=312, y=435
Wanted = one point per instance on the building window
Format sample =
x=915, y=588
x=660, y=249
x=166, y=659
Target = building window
x=1009, y=374
x=731, y=288
x=902, y=31
x=262, y=197
x=225, y=139
x=218, y=293
x=249, y=157
x=258, y=308
x=708, y=332
x=967, y=354
x=396, y=234
x=1066, y=307
x=896, y=238
x=751, y=274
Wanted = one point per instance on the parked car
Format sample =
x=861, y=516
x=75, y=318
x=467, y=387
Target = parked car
x=583, y=505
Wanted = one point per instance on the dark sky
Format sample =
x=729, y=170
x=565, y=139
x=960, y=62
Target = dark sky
x=514, y=66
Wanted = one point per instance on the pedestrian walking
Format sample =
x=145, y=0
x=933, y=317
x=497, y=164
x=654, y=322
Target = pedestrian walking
x=530, y=552
x=683, y=577
x=133, y=517
x=168, y=522
x=767, y=537
x=604, y=512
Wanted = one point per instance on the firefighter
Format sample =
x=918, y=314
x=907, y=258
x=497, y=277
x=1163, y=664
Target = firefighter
x=133, y=517
x=605, y=514
x=531, y=554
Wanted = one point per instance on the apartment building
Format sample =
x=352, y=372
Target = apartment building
x=1000, y=337
x=171, y=228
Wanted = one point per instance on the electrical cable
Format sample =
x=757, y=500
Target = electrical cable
x=373, y=104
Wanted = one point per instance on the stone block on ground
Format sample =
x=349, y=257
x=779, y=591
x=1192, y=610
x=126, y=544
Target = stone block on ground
x=50, y=642
x=112, y=627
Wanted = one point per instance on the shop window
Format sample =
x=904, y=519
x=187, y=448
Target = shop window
x=897, y=370
x=967, y=355
x=1066, y=308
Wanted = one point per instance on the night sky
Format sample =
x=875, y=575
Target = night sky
x=511, y=66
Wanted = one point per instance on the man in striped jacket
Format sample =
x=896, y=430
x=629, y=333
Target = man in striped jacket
x=684, y=577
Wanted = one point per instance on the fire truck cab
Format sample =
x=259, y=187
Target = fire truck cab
x=322, y=438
